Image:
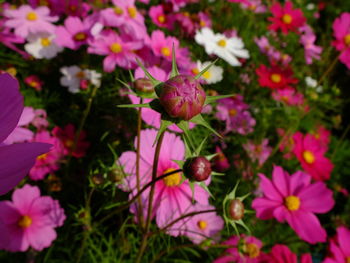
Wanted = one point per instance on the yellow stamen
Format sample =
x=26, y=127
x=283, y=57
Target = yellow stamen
x=116, y=48
x=172, y=180
x=132, y=12
x=165, y=51
x=221, y=43
x=80, y=36
x=292, y=202
x=25, y=221
x=118, y=11
x=202, y=224
x=80, y=75
x=42, y=157
x=276, y=78
x=252, y=250
x=195, y=71
x=206, y=75
x=287, y=19
x=161, y=19
x=69, y=143
x=348, y=260
x=232, y=112
x=31, y=16
x=45, y=42
x=202, y=23
x=309, y=157
x=347, y=40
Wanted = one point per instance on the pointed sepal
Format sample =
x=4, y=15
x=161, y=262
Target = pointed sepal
x=210, y=99
x=205, y=69
x=155, y=82
x=198, y=119
x=174, y=69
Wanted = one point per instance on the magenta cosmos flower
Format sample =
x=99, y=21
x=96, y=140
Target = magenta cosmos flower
x=295, y=200
x=286, y=18
x=26, y=20
x=117, y=51
x=243, y=249
x=258, y=152
x=282, y=254
x=341, y=32
x=340, y=247
x=173, y=196
x=310, y=152
x=16, y=159
x=29, y=220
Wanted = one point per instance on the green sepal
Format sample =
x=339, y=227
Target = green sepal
x=174, y=69
x=144, y=105
x=126, y=85
x=205, y=69
x=131, y=76
x=164, y=124
x=179, y=163
x=154, y=81
x=210, y=99
x=205, y=187
x=217, y=173
x=198, y=119
x=200, y=147
x=192, y=184
x=211, y=156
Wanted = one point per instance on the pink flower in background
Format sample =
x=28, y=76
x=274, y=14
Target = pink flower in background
x=341, y=32
x=308, y=41
x=287, y=143
x=289, y=96
x=29, y=221
x=34, y=82
x=286, y=18
x=172, y=197
x=26, y=20
x=9, y=39
x=339, y=247
x=117, y=51
x=282, y=254
x=275, y=77
x=221, y=163
x=243, y=249
x=294, y=199
x=310, y=153
x=254, y=5
x=15, y=159
x=40, y=120
x=258, y=152
x=323, y=136
x=48, y=162
x=160, y=17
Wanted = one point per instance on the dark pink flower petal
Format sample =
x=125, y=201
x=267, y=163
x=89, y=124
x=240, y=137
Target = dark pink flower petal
x=344, y=240
x=269, y=189
x=316, y=198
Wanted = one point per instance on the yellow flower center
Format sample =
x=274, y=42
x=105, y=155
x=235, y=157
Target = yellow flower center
x=309, y=157
x=221, y=43
x=132, y=12
x=165, y=51
x=116, y=48
x=195, y=71
x=276, y=78
x=202, y=23
x=347, y=39
x=292, y=202
x=161, y=19
x=80, y=36
x=285, y=99
x=31, y=16
x=232, y=112
x=202, y=224
x=33, y=84
x=206, y=75
x=348, y=260
x=172, y=180
x=251, y=249
x=69, y=143
x=42, y=157
x=80, y=75
x=45, y=42
x=287, y=19
x=118, y=11
x=24, y=221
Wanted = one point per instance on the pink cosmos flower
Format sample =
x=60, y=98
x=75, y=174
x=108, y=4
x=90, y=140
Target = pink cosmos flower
x=339, y=247
x=15, y=159
x=254, y=5
x=29, y=220
x=308, y=41
x=243, y=249
x=48, y=162
x=323, y=136
x=258, y=152
x=295, y=200
x=160, y=17
x=310, y=153
x=9, y=39
x=289, y=96
x=287, y=143
x=286, y=18
x=34, y=82
x=275, y=77
x=172, y=197
x=341, y=32
x=26, y=20
x=221, y=163
x=282, y=254
x=117, y=51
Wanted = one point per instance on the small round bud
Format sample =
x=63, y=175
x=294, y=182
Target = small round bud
x=236, y=209
x=182, y=97
x=115, y=175
x=198, y=169
x=97, y=179
x=143, y=85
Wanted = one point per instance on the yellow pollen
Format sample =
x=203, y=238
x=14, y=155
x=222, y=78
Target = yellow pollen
x=118, y=11
x=309, y=157
x=202, y=23
x=251, y=249
x=132, y=12
x=292, y=202
x=42, y=157
x=287, y=19
x=31, y=16
x=202, y=224
x=161, y=19
x=195, y=71
x=206, y=75
x=116, y=48
x=12, y=71
x=221, y=43
x=347, y=39
x=252, y=7
x=33, y=84
x=276, y=78
x=24, y=222
x=80, y=75
x=285, y=99
x=45, y=42
x=348, y=260
x=69, y=143
x=165, y=51
x=232, y=112
x=172, y=180
x=80, y=36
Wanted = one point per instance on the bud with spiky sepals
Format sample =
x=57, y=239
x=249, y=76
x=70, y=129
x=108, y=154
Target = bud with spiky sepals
x=198, y=168
x=236, y=209
x=143, y=85
x=182, y=97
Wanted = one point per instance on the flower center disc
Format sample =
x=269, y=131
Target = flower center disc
x=287, y=19
x=222, y=43
x=31, y=16
x=42, y=157
x=276, y=78
x=165, y=51
x=309, y=157
x=45, y=42
x=161, y=19
x=252, y=250
x=81, y=36
x=172, y=180
x=132, y=12
x=116, y=48
x=202, y=224
x=118, y=11
x=25, y=221
x=348, y=260
x=347, y=42
x=292, y=202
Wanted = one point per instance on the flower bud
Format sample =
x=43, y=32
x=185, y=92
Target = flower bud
x=143, y=85
x=182, y=97
x=236, y=209
x=198, y=169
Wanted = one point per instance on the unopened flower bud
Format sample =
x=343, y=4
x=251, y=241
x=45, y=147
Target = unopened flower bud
x=143, y=85
x=97, y=179
x=182, y=97
x=198, y=169
x=236, y=209
x=115, y=175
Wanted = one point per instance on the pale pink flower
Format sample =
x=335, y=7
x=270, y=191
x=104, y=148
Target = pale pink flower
x=258, y=152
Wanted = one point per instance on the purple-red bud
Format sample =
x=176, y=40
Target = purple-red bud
x=182, y=97
x=236, y=209
x=198, y=169
x=143, y=85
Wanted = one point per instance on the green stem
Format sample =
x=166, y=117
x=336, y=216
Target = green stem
x=138, y=148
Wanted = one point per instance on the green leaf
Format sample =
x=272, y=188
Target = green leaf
x=198, y=119
x=205, y=69
x=210, y=99
x=174, y=70
x=144, y=105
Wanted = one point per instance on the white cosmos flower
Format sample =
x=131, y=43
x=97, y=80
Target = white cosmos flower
x=42, y=45
x=213, y=75
x=226, y=48
x=74, y=77
x=312, y=83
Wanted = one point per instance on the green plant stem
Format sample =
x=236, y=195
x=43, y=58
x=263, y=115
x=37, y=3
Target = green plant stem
x=340, y=141
x=329, y=69
x=138, y=148
x=150, y=199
